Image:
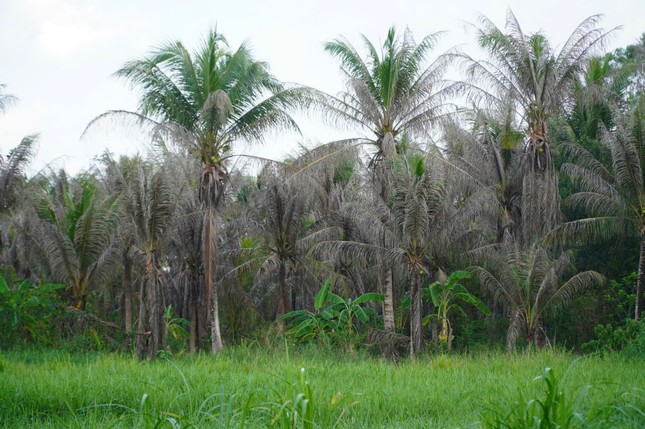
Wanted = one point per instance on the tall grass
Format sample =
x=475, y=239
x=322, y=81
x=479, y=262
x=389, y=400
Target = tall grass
x=255, y=388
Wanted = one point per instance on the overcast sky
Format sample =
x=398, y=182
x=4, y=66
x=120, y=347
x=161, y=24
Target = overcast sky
x=58, y=56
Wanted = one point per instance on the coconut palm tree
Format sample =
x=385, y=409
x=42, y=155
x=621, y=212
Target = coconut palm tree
x=539, y=82
x=279, y=224
x=5, y=99
x=391, y=94
x=12, y=169
x=394, y=97
x=613, y=196
x=149, y=206
x=531, y=287
x=485, y=162
x=13, y=185
x=76, y=234
x=409, y=229
x=206, y=101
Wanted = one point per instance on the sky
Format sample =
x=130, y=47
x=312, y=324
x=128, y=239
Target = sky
x=58, y=56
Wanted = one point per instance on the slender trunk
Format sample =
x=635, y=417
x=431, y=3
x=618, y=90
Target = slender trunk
x=638, y=308
x=155, y=302
x=127, y=293
x=388, y=302
x=416, y=339
x=142, y=334
x=210, y=250
x=284, y=303
x=193, y=327
x=285, y=306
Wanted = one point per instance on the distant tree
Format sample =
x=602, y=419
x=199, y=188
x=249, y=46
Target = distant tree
x=539, y=82
x=485, y=162
x=612, y=196
x=530, y=284
x=76, y=234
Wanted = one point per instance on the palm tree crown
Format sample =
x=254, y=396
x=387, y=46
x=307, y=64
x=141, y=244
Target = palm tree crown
x=391, y=93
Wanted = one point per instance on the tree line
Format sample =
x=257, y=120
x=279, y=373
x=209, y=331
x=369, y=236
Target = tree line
x=457, y=201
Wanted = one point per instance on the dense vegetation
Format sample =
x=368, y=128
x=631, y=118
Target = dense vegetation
x=505, y=209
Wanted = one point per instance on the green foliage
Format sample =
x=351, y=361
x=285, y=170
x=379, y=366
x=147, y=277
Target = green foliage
x=445, y=297
x=26, y=310
x=556, y=408
x=339, y=316
x=629, y=338
x=299, y=408
x=177, y=330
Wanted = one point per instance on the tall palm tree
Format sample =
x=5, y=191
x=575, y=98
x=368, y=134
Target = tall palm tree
x=530, y=285
x=12, y=168
x=207, y=101
x=149, y=203
x=539, y=81
x=613, y=196
x=393, y=97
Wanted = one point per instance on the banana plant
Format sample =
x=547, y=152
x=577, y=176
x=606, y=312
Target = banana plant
x=347, y=309
x=332, y=313
x=445, y=296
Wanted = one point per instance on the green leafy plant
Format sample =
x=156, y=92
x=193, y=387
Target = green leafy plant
x=556, y=408
x=300, y=409
x=339, y=315
x=177, y=330
x=26, y=309
x=445, y=297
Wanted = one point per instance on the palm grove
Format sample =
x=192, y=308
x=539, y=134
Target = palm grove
x=505, y=205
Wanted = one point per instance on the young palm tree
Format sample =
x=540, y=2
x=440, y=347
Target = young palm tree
x=207, y=101
x=76, y=235
x=12, y=169
x=539, y=81
x=279, y=224
x=486, y=163
x=407, y=230
x=613, y=196
x=529, y=284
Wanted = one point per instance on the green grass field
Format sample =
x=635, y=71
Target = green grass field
x=255, y=388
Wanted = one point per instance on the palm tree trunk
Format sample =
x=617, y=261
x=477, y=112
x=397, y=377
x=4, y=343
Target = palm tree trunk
x=416, y=339
x=192, y=343
x=156, y=306
x=127, y=293
x=210, y=250
x=388, y=302
x=142, y=334
x=284, y=292
x=152, y=334
x=638, y=308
